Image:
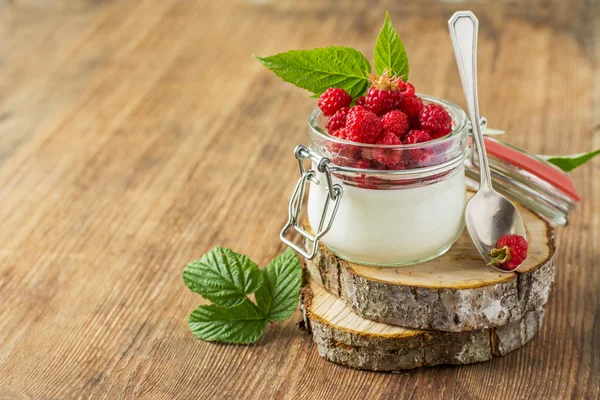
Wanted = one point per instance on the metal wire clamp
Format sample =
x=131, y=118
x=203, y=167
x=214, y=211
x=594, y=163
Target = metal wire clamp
x=334, y=196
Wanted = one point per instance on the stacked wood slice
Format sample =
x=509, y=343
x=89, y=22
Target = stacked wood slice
x=451, y=310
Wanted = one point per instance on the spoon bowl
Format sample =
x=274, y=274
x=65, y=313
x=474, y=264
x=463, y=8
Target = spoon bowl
x=490, y=215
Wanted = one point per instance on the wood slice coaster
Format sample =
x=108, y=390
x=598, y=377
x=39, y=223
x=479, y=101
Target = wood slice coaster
x=345, y=338
x=455, y=292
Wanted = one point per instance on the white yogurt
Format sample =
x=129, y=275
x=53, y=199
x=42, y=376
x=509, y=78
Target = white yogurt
x=393, y=227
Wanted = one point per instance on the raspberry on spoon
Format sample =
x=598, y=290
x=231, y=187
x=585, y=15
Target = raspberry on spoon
x=509, y=253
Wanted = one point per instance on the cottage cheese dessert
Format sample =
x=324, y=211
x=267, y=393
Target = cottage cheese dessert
x=393, y=227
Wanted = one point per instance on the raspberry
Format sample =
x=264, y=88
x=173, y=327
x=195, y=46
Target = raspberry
x=389, y=138
x=332, y=100
x=388, y=157
x=382, y=101
x=418, y=156
x=367, y=154
x=416, y=136
x=435, y=119
x=411, y=106
x=509, y=253
x=343, y=154
x=361, y=164
x=342, y=133
x=360, y=101
x=337, y=120
x=408, y=89
x=395, y=122
x=383, y=95
x=364, y=126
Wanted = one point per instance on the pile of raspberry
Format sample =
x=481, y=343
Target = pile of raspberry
x=390, y=113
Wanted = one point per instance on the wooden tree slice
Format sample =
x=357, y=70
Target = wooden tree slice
x=345, y=338
x=455, y=292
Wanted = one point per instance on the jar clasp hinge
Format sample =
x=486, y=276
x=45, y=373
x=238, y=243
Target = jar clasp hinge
x=334, y=196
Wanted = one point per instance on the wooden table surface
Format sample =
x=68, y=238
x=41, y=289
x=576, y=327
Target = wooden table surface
x=136, y=135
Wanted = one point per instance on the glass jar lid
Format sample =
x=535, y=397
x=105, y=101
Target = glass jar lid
x=527, y=179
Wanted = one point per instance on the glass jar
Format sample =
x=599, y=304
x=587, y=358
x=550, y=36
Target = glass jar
x=382, y=205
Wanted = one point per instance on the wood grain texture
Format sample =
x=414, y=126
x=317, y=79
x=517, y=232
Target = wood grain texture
x=137, y=134
x=347, y=339
x=455, y=292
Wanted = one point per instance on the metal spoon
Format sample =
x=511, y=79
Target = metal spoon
x=488, y=215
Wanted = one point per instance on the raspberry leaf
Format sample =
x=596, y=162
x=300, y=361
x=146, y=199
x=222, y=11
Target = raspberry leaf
x=318, y=69
x=277, y=298
x=226, y=278
x=223, y=277
x=242, y=324
x=569, y=163
x=389, y=51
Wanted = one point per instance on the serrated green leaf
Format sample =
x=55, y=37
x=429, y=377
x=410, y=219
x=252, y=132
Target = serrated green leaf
x=278, y=296
x=223, y=277
x=240, y=324
x=318, y=69
x=389, y=51
x=569, y=163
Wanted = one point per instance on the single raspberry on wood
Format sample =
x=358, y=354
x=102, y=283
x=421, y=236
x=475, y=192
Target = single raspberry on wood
x=395, y=122
x=337, y=120
x=383, y=95
x=509, y=253
x=332, y=100
x=435, y=119
x=388, y=157
x=363, y=125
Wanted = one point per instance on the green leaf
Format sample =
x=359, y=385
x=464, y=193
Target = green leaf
x=319, y=69
x=569, y=163
x=389, y=51
x=278, y=297
x=240, y=324
x=223, y=277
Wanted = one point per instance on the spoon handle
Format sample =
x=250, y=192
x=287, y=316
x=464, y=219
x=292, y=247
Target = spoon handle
x=463, y=30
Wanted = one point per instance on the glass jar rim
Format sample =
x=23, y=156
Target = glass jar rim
x=456, y=112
